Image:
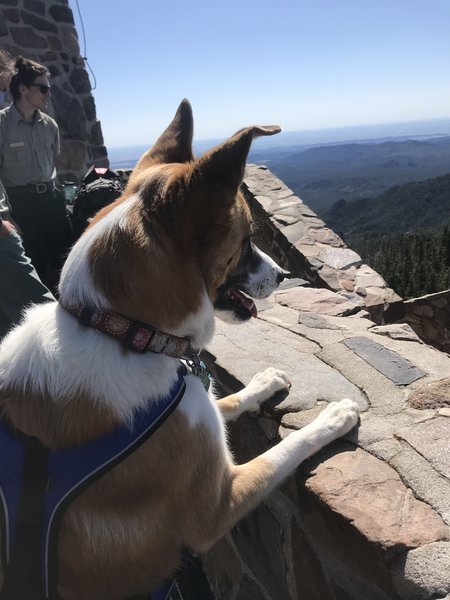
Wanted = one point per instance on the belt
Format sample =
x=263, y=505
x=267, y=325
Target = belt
x=38, y=188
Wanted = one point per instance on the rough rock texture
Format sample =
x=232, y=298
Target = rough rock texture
x=368, y=517
x=349, y=482
x=424, y=573
x=436, y=395
x=431, y=440
x=321, y=301
x=44, y=30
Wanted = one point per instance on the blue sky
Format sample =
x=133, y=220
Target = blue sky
x=302, y=64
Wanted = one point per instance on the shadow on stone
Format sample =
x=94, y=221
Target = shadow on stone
x=259, y=541
x=192, y=582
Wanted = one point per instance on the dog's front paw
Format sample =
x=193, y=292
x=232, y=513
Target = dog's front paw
x=338, y=418
x=263, y=386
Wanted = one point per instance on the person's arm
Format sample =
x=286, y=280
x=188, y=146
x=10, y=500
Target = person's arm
x=4, y=204
x=57, y=144
x=1, y=143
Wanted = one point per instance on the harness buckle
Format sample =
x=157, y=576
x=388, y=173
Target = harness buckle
x=199, y=369
x=41, y=188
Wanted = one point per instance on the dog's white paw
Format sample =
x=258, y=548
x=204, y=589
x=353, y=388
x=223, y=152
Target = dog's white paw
x=263, y=386
x=338, y=418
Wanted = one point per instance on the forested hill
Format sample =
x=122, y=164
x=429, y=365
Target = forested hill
x=419, y=206
x=413, y=264
x=323, y=175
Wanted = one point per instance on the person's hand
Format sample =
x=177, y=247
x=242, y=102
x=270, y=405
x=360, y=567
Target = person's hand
x=6, y=228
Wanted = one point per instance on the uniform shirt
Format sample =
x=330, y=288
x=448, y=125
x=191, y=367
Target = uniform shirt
x=27, y=150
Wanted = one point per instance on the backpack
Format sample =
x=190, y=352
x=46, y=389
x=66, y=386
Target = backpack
x=99, y=188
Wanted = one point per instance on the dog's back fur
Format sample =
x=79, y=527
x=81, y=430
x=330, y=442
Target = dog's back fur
x=163, y=254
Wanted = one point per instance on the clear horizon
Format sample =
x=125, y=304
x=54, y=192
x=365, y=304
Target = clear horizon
x=381, y=130
x=305, y=66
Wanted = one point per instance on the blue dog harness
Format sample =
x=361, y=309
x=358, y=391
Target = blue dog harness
x=38, y=484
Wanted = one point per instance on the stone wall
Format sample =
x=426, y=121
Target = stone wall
x=429, y=316
x=302, y=243
x=44, y=30
x=367, y=518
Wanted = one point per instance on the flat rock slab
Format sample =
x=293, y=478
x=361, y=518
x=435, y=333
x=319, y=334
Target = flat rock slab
x=294, y=231
x=352, y=325
x=380, y=295
x=319, y=301
x=367, y=277
x=426, y=482
x=435, y=395
x=393, y=366
x=314, y=321
x=340, y=258
x=324, y=235
x=243, y=350
x=279, y=315
x=397, y=331
x=370, y=494
x=432, y=440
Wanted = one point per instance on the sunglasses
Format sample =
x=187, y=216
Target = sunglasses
x=42, y=88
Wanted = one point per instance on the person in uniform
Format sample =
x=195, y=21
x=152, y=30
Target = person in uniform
x=29, y=143
x=20, y=284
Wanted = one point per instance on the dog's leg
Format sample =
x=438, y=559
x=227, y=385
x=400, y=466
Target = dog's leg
x=337, y=419
x=251, y=482
x=261, y=387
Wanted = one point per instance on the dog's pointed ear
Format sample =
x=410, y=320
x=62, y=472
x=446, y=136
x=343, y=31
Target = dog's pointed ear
x=223, y=167
x=175, y=144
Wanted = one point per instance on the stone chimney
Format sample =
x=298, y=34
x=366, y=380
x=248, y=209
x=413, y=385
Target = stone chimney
x=44, y=30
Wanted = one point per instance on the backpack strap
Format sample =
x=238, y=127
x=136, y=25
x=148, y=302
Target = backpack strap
x=37, y=485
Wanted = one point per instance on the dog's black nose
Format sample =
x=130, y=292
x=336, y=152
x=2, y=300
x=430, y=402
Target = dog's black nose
x=281, y=276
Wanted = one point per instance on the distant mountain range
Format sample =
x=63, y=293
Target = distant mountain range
x=293, y=142
x=325, y=170
x=320, y=176
x=418, y=206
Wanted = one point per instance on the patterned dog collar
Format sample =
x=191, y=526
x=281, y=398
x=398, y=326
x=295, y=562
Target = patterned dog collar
x=134, y=335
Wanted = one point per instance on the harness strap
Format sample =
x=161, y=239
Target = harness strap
x=24, y=572
x=37, y=486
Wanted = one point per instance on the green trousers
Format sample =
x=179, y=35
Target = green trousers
x=46, y=230
x=20, y=285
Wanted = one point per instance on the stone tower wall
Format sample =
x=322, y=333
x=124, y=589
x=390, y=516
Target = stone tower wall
x=429, y=316
x=44, y=30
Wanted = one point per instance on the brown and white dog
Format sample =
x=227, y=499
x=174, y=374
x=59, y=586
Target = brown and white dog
x=172, y=251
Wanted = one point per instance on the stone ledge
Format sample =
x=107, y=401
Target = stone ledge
x=371, y=496
x=357, y=515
